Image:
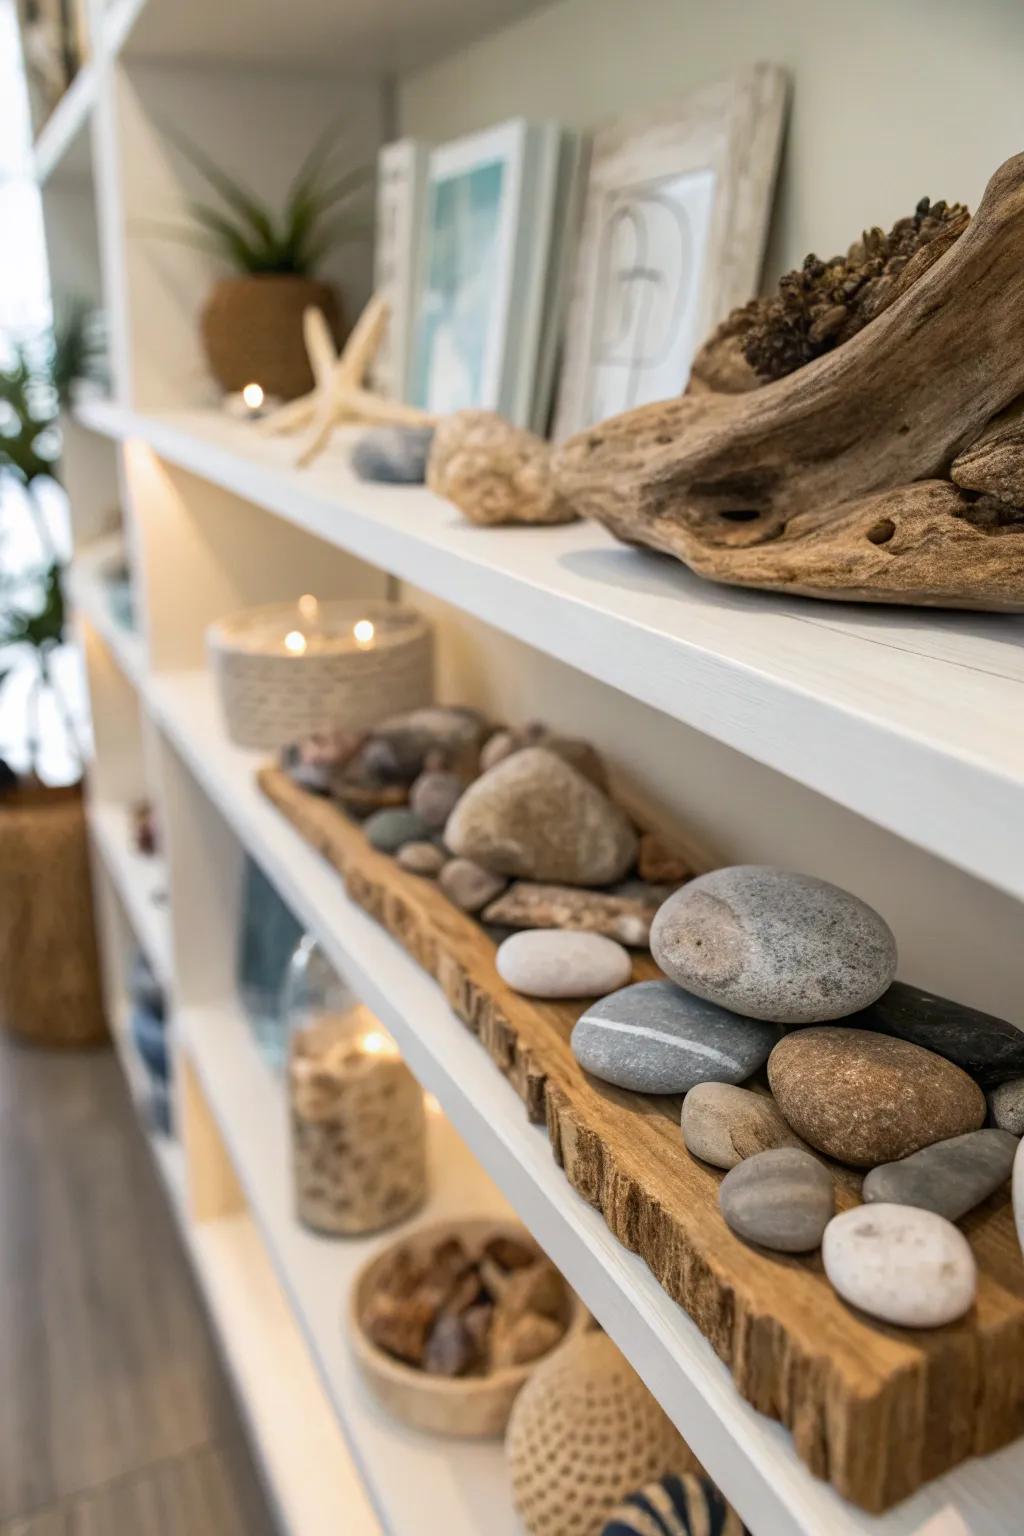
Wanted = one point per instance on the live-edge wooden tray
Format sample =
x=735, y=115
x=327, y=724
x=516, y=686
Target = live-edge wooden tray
x=876, y=1410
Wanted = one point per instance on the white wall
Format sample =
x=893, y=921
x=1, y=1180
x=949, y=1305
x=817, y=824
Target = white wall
x=892, y=99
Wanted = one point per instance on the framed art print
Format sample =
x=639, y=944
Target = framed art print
x=484, y=265
x=674, y=228
x=401, y=186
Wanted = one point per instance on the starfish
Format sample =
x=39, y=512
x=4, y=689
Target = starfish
x=339, y=392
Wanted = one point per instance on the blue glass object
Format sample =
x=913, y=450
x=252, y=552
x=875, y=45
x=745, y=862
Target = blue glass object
x=267, y=940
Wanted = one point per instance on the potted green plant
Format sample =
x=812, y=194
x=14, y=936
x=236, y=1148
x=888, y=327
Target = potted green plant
x=49, y=973
x=251, y=323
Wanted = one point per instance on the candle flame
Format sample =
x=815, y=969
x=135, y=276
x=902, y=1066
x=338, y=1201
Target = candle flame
x=253, y=396
x=364, y=632
x=295, y=642
x=376, y=1043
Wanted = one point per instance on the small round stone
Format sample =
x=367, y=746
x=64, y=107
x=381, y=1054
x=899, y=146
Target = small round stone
x=949, y=1177
x=723, y=1124
x=781, y=1199
x=656, y=1038
x=774, y=945
x=548, y=962
x=900, y=1264
x=388, y=831
x=469, y=885
x=865, y=1098
x=422, y=859
x=497, y=747
x=395, y=455
x=1006, y=1106
x=435, y=795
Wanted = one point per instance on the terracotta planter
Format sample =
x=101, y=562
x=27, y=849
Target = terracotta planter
x=251, y=329
x=49, y=968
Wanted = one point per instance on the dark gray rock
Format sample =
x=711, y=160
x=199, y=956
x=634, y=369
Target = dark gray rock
x=781, y=1199
x=656, y=1038
x=774, y=945
x=394, y=455
x=390, y=830
x=989, y=1048
x=435, y=795
x=469, y=885
x=949, y=1177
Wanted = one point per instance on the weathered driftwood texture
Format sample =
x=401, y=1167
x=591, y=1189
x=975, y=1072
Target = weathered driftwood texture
x=877, y=1410
x=878, y=472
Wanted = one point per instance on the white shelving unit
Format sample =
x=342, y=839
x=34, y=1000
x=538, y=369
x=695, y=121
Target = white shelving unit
x=913, y=722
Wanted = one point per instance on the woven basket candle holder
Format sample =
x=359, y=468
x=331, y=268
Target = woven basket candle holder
x=289, y=670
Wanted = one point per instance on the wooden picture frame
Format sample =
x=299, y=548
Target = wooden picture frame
x=398, y=226
x=674, y=227
x=484, y=268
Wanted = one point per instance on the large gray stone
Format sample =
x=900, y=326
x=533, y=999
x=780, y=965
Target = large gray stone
x=900, y=1264
x=774, y=945
x=949, y=1177
x=535, y=817
x=656, y=1038
x=781, y=1199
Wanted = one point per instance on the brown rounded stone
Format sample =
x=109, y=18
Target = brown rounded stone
x=866, y=1098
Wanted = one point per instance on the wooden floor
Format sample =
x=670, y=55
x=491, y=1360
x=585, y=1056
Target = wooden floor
x=115, y=1415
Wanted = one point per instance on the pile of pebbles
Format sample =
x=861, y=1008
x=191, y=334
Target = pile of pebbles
x=783, y=972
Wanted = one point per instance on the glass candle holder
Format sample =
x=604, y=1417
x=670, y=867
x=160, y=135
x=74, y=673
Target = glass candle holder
x=359, y=1148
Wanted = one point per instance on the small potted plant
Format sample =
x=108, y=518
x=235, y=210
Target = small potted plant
x=251, y=323
x=49, y=973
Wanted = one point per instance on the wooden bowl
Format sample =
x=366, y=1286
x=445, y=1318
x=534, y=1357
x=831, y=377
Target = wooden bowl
x=473, y=1407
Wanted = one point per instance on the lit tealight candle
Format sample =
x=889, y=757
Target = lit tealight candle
x=377, y=1044
x=364, y=633
x=295, y=642
x=252, y=396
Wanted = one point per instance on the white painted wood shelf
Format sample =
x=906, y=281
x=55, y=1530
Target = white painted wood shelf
x=749, y=1455
x=140, y=881
x=462, y=1483
x=59, y=133
x=914, y=720
x=90, y=598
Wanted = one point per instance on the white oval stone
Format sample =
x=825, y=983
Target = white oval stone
x=1018, y=1194
x=900, y=1264
x=550, y=962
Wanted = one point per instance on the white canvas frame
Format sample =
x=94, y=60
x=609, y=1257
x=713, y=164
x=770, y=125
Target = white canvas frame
x=401, y=191
x=731, y=129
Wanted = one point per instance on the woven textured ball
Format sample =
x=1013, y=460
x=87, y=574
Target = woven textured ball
x=283, y=676
x=584, y=1433
x=676, y=1506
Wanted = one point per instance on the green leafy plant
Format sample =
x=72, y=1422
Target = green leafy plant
x=321, y=212
x=35, y=385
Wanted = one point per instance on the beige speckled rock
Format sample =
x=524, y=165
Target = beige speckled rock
x=534, y=817
x=900, y=1264
x=867, y=1099
x=494, y=472
x=723, y=1124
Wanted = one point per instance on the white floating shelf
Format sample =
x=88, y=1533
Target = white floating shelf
x=140, y=881
x=378, y=37
x=57, y=148
x=419, y=1483
x=913, y=719
x=749, y=1455
x=89, y=597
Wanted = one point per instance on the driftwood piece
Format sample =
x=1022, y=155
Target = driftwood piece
x=994, y=464
x=493, y=472
x=527, y=904
x=877, y=1410
x=714, y=477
